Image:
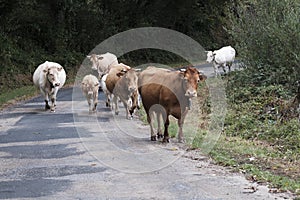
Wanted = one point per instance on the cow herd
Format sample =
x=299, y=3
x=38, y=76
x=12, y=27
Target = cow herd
x=163, y=92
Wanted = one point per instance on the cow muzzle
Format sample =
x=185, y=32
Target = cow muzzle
x=94, y=68
x=56, y=84
x=132, y=89
x=191, y=93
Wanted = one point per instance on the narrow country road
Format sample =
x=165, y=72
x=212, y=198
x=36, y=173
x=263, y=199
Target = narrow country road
x=71, y=154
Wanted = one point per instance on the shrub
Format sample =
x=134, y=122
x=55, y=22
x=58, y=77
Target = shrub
x=267, y=39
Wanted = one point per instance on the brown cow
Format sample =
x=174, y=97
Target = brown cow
x=165, y=92
x=112, y=79
x=122, y=83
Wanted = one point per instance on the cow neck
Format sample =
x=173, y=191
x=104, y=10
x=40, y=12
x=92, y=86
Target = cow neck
x=48, y=82
x=188, y=100
x=214, y=60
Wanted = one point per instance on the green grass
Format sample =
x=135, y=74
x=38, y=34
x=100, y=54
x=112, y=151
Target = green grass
x=258, y=161
x=17, y=94
x=255, y=141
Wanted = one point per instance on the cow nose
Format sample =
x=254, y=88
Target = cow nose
x=57, y=84
x=132, y=89
x=190, y=93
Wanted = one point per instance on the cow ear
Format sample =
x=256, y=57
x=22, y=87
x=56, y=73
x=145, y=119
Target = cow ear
x=202, y=77
x=182, y=72
x=120, y=74
x=99, y=57
x=45, y=70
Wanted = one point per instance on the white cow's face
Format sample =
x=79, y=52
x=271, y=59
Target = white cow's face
x=90, y=88
x=95, y=60
x=52, y=76
x=210, y=57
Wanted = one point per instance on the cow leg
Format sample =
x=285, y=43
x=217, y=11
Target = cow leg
x=53, y=99
x=115, y=100
x=108, y=97
x=47, y=107
x=139, y=100
x=159, y=123
x=53, y=104
x=95, y=100
x=216, y=69
x=89, y=101
x=133, y=105
x=229, y=66
x=223, y=67
x=45, y=94
x=180, y=133
x=150, y=119
x=166, y=133
x=180, y=125
x=126, y=106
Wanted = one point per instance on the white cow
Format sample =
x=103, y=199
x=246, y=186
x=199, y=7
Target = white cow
x=90, y=87
x=49, y=77
x=103, y=62
x=221, y=58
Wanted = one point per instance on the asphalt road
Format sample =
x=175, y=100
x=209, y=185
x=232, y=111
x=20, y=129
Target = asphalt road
x=71, y=154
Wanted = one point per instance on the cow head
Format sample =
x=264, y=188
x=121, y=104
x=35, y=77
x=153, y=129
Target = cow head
x=210, y=56
x=90, y=88
x=191, y=77
x=52, y=76
x=131, y=80
x=95, y=59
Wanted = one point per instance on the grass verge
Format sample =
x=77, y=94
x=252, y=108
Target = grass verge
x=256, y=140
x=18, y=94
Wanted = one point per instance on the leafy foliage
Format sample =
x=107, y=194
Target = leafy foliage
x=65, y=31
x=267, y=37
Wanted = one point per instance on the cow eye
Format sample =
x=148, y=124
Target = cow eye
x=198, y=80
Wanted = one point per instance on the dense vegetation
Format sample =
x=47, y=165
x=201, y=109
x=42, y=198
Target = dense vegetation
x=66, y=30
x=262, y=131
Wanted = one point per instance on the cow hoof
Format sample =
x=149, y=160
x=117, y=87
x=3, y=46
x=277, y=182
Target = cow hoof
x=52, y=111
x=47, y=107
x=159, y=135
x=166, y=140
x=181, y=140
x=117, y=113
x=153, y=138
x=107, y=104
x=130, y=117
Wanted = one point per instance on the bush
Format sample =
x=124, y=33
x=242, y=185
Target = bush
x=267, y=39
